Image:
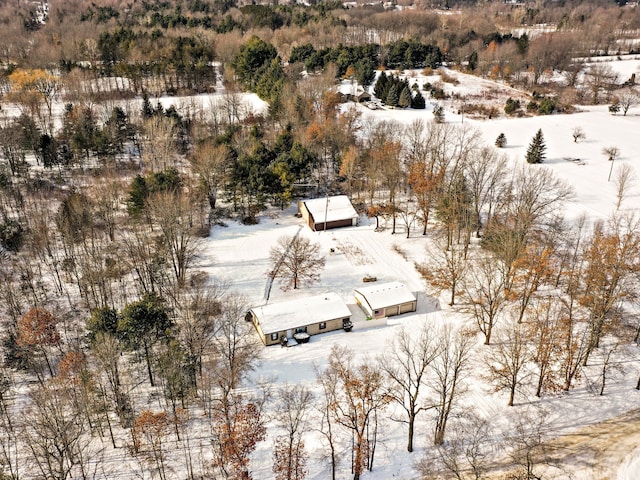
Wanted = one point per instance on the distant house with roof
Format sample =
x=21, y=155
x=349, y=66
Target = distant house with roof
x=310, y=315
x=328, y=212
x=386, y=299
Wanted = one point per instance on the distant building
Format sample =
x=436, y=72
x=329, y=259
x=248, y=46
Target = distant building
x=310, y=315
x=328, y=212
x=386, y=299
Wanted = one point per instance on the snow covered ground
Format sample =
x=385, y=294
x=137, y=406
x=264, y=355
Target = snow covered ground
x=239, y=254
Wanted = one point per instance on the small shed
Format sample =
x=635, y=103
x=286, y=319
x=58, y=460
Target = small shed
x=364, y=97
x=386, y=299
x=311, y=315
x=328, y=212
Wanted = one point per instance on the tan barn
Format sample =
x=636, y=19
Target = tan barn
x=386, y=299
x=311, y=315
x=328, y=212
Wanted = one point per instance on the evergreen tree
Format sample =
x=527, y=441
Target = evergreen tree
x=138, y=192
x=501, y=141
x=405, y=98
x=537, y=148
x=365, y=71
x=418, y=101
x=147, y=109
x=393, y=97
x=381, y=87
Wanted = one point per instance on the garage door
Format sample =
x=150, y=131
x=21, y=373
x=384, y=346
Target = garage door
x=406, y=307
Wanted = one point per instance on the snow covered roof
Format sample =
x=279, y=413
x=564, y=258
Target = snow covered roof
x=335, y=208
x=278, y=317
x=386, y=294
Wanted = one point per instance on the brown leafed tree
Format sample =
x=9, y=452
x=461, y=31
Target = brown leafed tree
x=237, y=427
x=296, y=260
x=360, y=395
x=530, y=271
x=149, y=432
x=37, y=330
x=544, y=331
x=611, y=260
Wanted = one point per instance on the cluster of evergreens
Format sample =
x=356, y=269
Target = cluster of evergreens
x=396, y=92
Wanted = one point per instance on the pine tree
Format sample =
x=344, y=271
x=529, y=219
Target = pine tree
x=380, y=87
x=501, y=141
x=537, y=148
x=393, y=97
x=418, y=101
x=405, y=98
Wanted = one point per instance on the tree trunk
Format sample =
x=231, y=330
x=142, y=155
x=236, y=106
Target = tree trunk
x=412, y=421
x=146, y=356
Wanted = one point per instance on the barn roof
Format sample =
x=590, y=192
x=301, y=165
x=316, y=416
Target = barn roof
x=386, y=294
x=335, y=208
x=277, y=317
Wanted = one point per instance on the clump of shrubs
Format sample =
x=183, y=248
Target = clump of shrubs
x=511, y=106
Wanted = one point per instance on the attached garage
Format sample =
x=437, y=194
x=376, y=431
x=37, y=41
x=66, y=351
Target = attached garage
x=328, y=212
x=386, y=299
x=310, y=315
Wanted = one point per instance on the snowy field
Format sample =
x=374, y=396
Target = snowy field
x=240, y=255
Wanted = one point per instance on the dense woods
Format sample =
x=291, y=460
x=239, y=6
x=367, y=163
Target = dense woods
x=113, y=340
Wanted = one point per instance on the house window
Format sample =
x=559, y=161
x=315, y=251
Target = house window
x=376, y=312
x=301, y=330
x=322, y=325
x=274, y=336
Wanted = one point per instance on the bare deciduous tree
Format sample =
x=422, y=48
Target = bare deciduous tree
x=55, y=433
x=578, y=134
x=175, y=218
x=464, y=455
x=405, y=364
x=485, y=171
x=508, y=359
x=447, y=268
x=628, y=99
x=485, y=290
x=294, y=409
x=623, y=181
x=599, y=77
x=450, y=369
x=297, y=260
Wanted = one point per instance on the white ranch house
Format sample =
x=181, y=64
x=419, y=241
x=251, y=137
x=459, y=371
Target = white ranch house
x=311, y=315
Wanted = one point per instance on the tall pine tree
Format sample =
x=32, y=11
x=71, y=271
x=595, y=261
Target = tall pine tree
x=537, y=148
